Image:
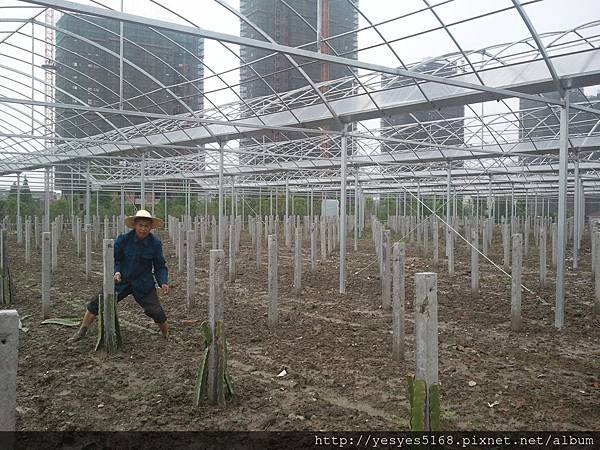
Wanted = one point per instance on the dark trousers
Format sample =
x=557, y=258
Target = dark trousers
x=149, y=303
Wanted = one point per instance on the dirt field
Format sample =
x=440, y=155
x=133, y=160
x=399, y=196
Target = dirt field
x=335, y=348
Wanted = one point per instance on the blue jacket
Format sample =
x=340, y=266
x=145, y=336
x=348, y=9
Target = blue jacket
x=135, y=259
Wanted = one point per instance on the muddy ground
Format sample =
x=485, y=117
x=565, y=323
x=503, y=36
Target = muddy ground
x=335, y=348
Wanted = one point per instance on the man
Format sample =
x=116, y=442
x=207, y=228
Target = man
x=136, y=254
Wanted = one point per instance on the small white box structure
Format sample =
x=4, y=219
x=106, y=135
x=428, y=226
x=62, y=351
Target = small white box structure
x=330, y=208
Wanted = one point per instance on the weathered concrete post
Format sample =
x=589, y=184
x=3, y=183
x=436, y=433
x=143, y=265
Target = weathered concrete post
x=554, y=240
x=596, y=270
x=436, y=241
x=36, y=231
x=313, y=247
x=232, y=240
x=181, y=247
x=515, y=302
x=106, y=228
x=203, y=233
x=214, y=234
x=88, y=250
x=46, y=265
x=215, y=314
x=19, y=225
x=28, y=241
x=506, y=245
x=54, y=244
x=398, y=300
x=542, y=249
x=258, y=242
x=323, y=241
x=450, y=250
x=475, y=262
x=78, y=236
x=191, y=271
x=386, y=279
x=298, y=260
x=426, y=334
x=272, y=281
x=526, y=237
x=109, y=326
x=9, y=345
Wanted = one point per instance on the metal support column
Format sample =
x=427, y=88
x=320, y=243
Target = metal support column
x=342, y=236
x=576, y=215
x=559, y=310
x=143, y=183
x=221, y=188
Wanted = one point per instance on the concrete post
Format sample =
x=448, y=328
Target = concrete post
x=506, y=245
x=298, y=260
x=450, y=250
x=106, y=228
x=46, y=265
x=232, y=251
x=54, y=249
x=596, y=271
x=386, y=279
x=542, y=249
x=28, y=241
x=181, y=247
x=436, y=241
x=109, y=298
x=553, y=250
x=88, y=250
x=215, y=232
x=313, y=247
x=36, y=231
x=475, y=262
x=9, y=345
x=258, y=242
x=215, y=314
x=398, y=300
x=426, y=332
x=191, y=271
x=515, y=302
x=323, y=241
x=272, y=281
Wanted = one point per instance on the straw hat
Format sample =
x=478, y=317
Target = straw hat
x=143, y=214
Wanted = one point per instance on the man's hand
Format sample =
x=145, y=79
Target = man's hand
x=165, y=288
x=117, y=277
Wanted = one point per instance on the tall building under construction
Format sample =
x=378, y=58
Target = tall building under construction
x=162, y=72
x=294, y=24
